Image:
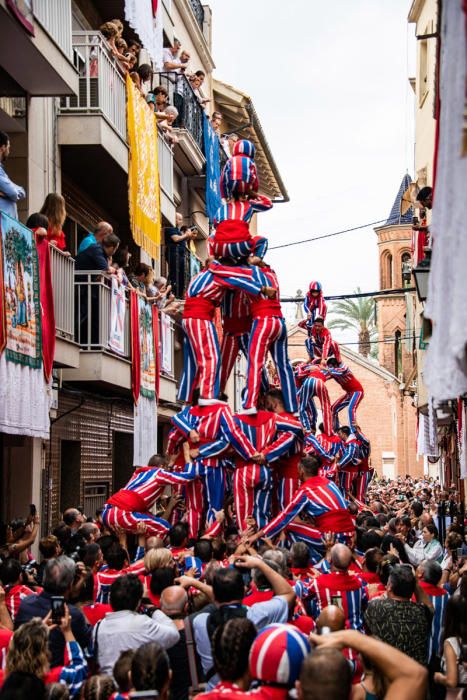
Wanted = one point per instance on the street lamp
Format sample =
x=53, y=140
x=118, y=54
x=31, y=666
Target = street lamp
x=421, y=273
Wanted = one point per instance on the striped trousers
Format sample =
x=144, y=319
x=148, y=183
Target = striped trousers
x=311, y=387
x=252, y=494
x=114, y=517
x=350, y=399
x=346, y=481
x=269, y=335
x=231, y=346
x=201, y=360
x=361, y=484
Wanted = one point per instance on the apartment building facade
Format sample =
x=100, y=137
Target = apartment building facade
x=68, y=128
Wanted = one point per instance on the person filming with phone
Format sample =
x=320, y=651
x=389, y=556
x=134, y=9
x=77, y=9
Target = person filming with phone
x=59, y=576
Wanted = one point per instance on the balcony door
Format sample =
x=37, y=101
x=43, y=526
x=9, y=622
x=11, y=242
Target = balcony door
x=122, y=458
x=70, y=473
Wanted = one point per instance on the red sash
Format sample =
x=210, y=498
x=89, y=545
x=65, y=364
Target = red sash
x=232, y=231
x=287, y=467
x=335, y=521
x=128, y=500
x=200, y=308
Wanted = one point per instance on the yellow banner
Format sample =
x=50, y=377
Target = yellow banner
x=143, y=172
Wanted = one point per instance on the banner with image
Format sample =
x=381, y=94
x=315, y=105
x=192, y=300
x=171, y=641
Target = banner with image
x=213, y=173
x=117, y=317
x=146, y=347
x=21, y=294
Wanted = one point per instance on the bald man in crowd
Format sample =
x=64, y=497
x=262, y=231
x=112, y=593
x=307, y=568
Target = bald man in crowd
x=174, y=603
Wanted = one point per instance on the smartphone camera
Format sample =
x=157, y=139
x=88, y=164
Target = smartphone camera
x=57, y=603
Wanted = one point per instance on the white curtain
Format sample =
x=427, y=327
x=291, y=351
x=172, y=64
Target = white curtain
x=445, y=370
x=24, y=400
x=138, y=14
x=144, y=431
x=427, y=443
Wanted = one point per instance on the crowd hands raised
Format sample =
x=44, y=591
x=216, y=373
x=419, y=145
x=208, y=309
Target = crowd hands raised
x=109, y=613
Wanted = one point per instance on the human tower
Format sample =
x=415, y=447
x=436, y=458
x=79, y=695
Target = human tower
x=258, y=453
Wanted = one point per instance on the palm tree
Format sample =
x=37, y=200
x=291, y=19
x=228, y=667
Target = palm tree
x=358, y=315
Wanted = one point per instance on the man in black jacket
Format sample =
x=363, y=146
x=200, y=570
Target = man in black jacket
x=59, y=576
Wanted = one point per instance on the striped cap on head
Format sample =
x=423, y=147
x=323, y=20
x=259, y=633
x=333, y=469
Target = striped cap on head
x=244, y=148
x=315, y=287
x=277, y=654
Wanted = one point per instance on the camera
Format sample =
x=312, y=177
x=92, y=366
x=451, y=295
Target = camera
x=57, y=604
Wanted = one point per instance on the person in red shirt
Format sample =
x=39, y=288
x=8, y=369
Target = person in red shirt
x=92, y=611
x=55, y=211
x=11, y=575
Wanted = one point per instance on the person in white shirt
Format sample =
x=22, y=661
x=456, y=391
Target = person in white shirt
x=426, y=549
x=125, y=628
x=169, y=56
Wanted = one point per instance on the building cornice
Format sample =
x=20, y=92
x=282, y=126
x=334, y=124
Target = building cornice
x=415, y=11
x=189, y=20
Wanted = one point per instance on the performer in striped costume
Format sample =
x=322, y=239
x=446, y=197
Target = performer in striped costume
x=353, y=392
x=253, y=481
x=341, y=588
x=348, y=465
x=314, y=304
x=201, y=344
x=429, y=574
x=132, y=504
x=312, y=379
x=319, y=344
x=319, y=499
x=268, y=334
x=365, y=471
x=286, y=467
x=210, y=430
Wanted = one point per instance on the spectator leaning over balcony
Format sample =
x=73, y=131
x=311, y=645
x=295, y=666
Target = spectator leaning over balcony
x=110, y=32
x=145, y=73
x=102, y=230
x=196, y=82
x=169, y=56
x=99, y=255
x=216, y=120
x=55, y=211
x=158, y=99
x=9, y=192
x=141, y=275
x=171, y=114
x=134, y=48
x=121, y=261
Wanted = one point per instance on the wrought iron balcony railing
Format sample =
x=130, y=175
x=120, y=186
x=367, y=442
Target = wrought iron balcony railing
x=198, y=11
x=182, y=96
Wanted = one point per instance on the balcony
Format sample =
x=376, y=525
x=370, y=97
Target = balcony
x=96, y=116
x=63, y=270
x=166, y=173
x=98, y=361
x=198, y=11
x=168, y=383
x=41, y=63
x=188, y=152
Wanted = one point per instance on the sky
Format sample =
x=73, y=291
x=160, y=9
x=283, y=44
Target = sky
x=329, y=81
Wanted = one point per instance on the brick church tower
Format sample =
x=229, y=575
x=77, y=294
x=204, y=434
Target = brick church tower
x=394, y=313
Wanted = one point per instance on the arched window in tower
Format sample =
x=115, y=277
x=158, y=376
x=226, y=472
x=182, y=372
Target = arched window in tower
x=406, y=269
x=397, y=353
x=386, y=270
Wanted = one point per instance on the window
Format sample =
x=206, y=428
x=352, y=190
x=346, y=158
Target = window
x=406, y=269
x=386, y=270
x=397, y=353
x=423, y=72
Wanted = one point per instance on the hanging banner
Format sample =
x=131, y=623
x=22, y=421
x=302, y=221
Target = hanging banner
x=213, y=172
x=143, y=172
x=157, y=349
x=117, y=317
x=47, y=306
x=135, y=353
x=146, y=348
x=166, y=344
x=21, y=294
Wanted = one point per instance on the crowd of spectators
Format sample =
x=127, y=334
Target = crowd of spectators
x=104, y=614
